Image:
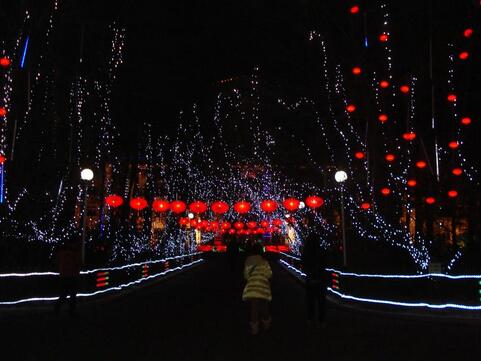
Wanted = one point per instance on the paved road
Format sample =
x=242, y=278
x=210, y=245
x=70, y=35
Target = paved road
x=198, y=315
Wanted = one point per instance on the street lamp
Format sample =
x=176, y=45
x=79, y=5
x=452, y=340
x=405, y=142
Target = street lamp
x=86, y=175
x=341, y=177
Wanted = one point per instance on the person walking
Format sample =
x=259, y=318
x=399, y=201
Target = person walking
x=313, y=263
x=69, y=258
x=257, y=290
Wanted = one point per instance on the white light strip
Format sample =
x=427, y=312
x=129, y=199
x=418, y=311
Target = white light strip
x=388, y=302
x=2, y=275
x=116, y=288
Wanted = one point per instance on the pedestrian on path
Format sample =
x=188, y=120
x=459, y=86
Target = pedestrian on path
x=257, y=290
x=69, y=258
x=313, y=262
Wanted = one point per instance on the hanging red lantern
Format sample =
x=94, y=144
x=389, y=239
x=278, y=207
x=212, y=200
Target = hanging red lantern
x=226, y=225
x=277, y=222
x=452, y=98
x=204, y=223
x=359, y=155
x=383, y=37
x=412, y=183
x=453, y=144
x=219, y=207
x=354, y=9
x=430, y=200
x=404, y=89
x=232, y=231
x=410, y=136
x=421, y=164
x=365, y=205
x=385, y=191
x=268, y=205
x=351, y=108
x=112, y=200
x=4, y=61
x=356, y=70
x=384, y=84
x=3, y=111
x=452, y=193
x=291, y=204
x=457, y=171
x=251, y=224
x=264, y=224
x=390, y=157
x=160, y=205
x=466, y=121
x=463, y=55
x=238, y=225
x=242, y=207
x=2, y=159
x=198, y=207
x=382, y=118
x=214, y=225
x=183, y=221
x=138, y=203
x=468, y=32
x=314, y=202
x=177, y=207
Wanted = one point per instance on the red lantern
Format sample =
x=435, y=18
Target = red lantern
x=453, y=144
x=382, y=118
x=226, y=225
x=452, y=98
x=354, y=9
x=430, y=200
x=214, y=225
x=351, y=108
x=2, y=159
x=463, y=55
x=291, y=204
x=3, y=111
x=383, y=37
x=385, y=191
x=242, y=207
x=160, y=205
x=359, y=155
x=466, y=121
x=468, y=32
x=365, y=205
x=198, y=207
x=219, y=207
x=452, y=193
x=412, y=183
x=251, y=224
x=4, y=61
x=264, y=224
x=268, y=205
x=277, y=222
x=183, y=221
x=238, y=225
x=177, y=207
x=113, y=200
x=138, y=203
x=390, y=157
x=404, y=89
x=204, y=223
x=356, y=70
x=409, y=136
x=457, y=171
x=384, y=84
x=232, y=231
x=314, y=202
x=421, y=164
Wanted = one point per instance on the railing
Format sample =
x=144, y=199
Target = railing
x=21, y=288
x=433, y=290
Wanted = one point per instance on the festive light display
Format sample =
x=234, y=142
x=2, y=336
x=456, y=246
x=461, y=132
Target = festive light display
x=220, y=207
x=269, y=205
x=178, y=206
x=314, y=202
x=198, y=207
x=114, y=200
x=138, y=203
x=291, y=204
x=5, y=62
x=242, y=207
x=160, y=205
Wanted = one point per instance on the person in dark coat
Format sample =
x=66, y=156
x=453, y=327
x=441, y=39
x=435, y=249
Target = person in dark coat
x=313, y=262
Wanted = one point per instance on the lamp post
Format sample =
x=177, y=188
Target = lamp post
x=86, y=175
x=341, y=177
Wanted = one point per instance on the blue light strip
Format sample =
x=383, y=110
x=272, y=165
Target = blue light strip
x=1, y=183
x=22, y=63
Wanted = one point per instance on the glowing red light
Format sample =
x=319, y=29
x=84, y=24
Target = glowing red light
x=466, y=121
x=277, y=222
x=430, y=200
x=421, y=164
x=138, y=203
x=113, y=200
x=291, y=204
x=178, y=207
x=453, y=144
x=268, y=205
x=219, y=207
x=356, y=70
x=468, y=32
x=365, y=205
x=463, y=55
x=383, y=37
x=232, y=231
x=3, y=111
x=452, y=193
x=314, y=202
x=160, y=205
x=238, y=225
x=354, y=9
x=251, y=224
x=351, y=108
x=384, y=84
x=412, y=183
x=264, y=224
x=390, y=157
x=242, y=207
x=383, y=118
x=225, y=225
x=183, y=221
x=198, y=207
x=409, y=136
x=359, y=155
x=457, y=171
x=385, y=191
x=452, y=98
x=2, y=159
x=404, y=89
x=4, y=61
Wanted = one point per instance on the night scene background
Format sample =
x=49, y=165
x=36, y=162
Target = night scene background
x=204, y=122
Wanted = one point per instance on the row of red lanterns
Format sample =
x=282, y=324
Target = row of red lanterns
x=218, y=207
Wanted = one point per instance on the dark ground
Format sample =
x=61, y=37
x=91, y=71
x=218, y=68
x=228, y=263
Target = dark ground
x=198, y=315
